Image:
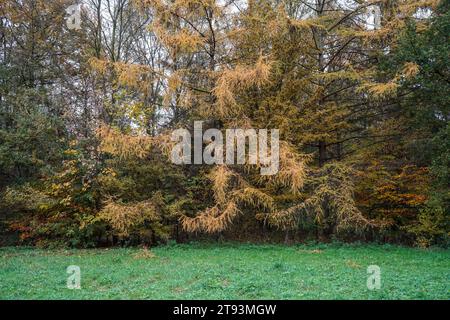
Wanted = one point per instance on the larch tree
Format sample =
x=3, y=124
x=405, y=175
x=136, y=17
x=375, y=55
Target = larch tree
x=356, y=88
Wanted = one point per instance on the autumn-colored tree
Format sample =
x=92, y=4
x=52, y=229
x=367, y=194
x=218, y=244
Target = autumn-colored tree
x=357, y=89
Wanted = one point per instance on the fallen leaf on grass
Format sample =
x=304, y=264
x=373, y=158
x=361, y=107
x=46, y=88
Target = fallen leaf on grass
x=144, y=254
x=315, y=251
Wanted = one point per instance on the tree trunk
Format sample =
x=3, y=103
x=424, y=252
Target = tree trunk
x=286, y=237
x=322, y=153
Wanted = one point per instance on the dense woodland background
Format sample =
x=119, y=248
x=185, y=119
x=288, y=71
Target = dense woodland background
x=360, y=91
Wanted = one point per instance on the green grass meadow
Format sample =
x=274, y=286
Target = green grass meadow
x=241, y=271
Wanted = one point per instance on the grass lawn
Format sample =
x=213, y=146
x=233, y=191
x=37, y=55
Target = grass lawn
x=202, y=271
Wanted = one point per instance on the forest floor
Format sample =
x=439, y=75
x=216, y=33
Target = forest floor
x=229, y=271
